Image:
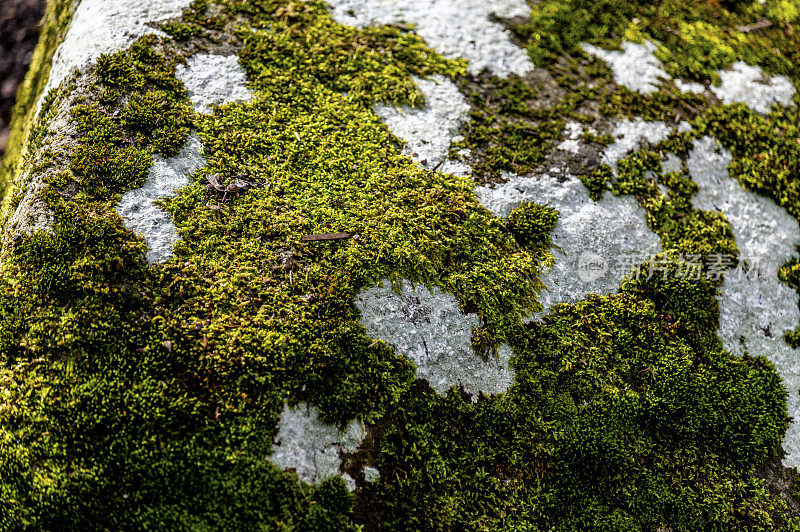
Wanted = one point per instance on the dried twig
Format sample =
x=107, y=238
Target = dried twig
x=327, y=236
x=760, y=25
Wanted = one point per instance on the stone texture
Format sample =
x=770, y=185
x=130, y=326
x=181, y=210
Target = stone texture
x=611, y=232
x=454, y=28
x=101, y=26
x=430, y=130
x=755, y=309
x=213, y=80
x=138, y=210
x=634, y=67
x=310, y=447
x=428, y=327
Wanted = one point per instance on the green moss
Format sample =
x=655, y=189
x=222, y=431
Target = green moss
x=766, y=150
x=125, y=344
x=766, y=160
x=683, y=229
x=597, y=181
x=373, y=64
x=181, y=31
x=155, y=119
x=696, y=37
x=515, y=122
x=616, y=399
x=787, y=11
x=147, y=396
x=531, y=225
x=506, y=130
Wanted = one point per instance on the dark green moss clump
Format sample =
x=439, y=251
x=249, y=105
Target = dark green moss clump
x=616, y=402
x=697, y=37
x=531, y=225
x=597, y=180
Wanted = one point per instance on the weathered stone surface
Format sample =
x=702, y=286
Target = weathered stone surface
x=429, y=328
x=311, y=447
x=100, y=27
x=139, y=210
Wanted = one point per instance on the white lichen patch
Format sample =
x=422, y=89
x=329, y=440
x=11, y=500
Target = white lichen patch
x=692, y=87
x=138, y=210
x=430, y=130
x=371, y=474
x=634, y=67
x=595, y=243
x=629, y=135
x=755, y=309
x=637, y=68
x=671, y=163
x=102, y=26
x=748, y=84
x=213, y=80
x=454, y=28
x=310, y=447
x=428, y=327
x=572, y=137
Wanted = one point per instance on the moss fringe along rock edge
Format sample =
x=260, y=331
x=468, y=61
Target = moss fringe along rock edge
x=55, y=23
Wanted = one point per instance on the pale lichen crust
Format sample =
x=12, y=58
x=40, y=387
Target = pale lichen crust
x=430, y=265
x=429, y=328
x=142, y=215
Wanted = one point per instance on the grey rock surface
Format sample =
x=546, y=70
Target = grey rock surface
x=138, y=210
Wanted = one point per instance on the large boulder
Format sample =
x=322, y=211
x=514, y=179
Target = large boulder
x=437, y=264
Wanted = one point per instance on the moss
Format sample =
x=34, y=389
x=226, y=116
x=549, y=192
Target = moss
x=697, y=37
x=683, y=229
x=610, y=395
x=597, y=181
x=766, y=160
x=602, y=140
x=531, y=225
x=515, y=122
x=181, y=31
x=506, y=130
x=124, y=344
x=153, y=118
x=787, y=11
x=146, y=396
x=711, y=50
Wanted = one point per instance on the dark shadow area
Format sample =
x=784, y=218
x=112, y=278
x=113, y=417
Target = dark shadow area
x=19, y=32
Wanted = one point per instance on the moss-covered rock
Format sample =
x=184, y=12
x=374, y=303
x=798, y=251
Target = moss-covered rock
x=197, y=219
